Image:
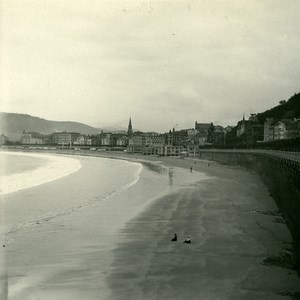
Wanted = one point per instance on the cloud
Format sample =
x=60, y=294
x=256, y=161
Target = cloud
x=162, y=62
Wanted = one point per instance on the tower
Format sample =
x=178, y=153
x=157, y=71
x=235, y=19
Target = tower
x=129, y=131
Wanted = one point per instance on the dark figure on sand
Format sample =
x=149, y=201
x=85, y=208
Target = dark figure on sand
x=174, y=239
x=187, y=240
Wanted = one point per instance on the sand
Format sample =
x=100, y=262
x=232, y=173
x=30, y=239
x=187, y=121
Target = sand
x=67, y=253
x=239, y=250
x=240, y=244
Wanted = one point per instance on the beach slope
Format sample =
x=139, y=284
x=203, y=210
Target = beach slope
x=240, y=245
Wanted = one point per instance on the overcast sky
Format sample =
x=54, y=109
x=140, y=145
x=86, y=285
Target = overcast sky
x=164, y=63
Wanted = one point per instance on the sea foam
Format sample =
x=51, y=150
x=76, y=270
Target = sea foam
x=56, y=167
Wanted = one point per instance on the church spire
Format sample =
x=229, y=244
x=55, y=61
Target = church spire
x=129, y=131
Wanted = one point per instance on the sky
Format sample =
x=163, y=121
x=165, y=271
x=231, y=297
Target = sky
x=165, y=64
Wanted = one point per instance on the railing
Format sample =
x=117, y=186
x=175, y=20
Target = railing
x=292, y=156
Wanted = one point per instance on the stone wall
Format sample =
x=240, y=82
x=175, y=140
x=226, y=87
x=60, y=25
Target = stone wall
x=282, y=176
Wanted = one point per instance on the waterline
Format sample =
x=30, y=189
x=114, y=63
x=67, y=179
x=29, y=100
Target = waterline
x=55, y=168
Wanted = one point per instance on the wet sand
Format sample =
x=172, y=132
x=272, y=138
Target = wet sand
x=240, y=244
x=67, y=253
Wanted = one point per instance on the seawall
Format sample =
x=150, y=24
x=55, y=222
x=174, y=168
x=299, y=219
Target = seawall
x=280, y=172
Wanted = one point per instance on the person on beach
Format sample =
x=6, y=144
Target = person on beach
x=191, y=169
x=187, y=240
x=174, y=239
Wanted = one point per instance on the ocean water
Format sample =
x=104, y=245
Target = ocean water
x=59, y=235
x=56, y=188
x=25, y=170
x=12, y=163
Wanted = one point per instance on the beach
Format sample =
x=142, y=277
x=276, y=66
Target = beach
x=119, y=247
x=59, y=234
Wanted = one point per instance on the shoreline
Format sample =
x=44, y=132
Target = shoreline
x=81, y=240
x=206, y=165
x=236, y=235
x=55, y=168
x=240, y=243
x=265, y=218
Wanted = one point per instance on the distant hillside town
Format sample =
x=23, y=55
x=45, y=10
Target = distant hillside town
x=277, y=128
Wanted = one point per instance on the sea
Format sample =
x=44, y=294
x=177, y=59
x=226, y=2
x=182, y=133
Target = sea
x=61, y=217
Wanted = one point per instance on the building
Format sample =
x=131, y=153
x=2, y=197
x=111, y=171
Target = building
x=170, y=150
x=178, y=137
x=192, y=133
x=202, y=141
x=216, y=135
x=136, y=143
x=254, y=130
x=249, y=132
x=281, y=130
x=193, y=136
x=268, y=130
x=202, y=129
x=122, y=141
x=145, y=143
x=106, y=139
x=129, y=131
x=65, y=138
x=202, y=135
x=192, y=150
x=286, y=129
x=292, y=128
x=32, y=138
x=3, y=139
x=154, y=138
x=92, y=140
x=81, y=140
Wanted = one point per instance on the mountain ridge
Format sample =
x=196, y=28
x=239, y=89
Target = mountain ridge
x=13, y=124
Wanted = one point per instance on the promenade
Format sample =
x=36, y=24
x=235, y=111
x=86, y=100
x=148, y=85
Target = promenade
x=291, y=156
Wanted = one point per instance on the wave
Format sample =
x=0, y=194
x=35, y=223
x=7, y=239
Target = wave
x=136, y=177
x=58, y=213
x=56, y=167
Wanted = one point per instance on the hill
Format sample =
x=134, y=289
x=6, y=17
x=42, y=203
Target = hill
x=12, y=125
x=286, y=110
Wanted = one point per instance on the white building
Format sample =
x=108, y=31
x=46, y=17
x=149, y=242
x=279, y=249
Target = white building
x=32, y=138
x=122, y=141
x=81, y=140
x=280, y=132
x=106, y=140
x=65, y=138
